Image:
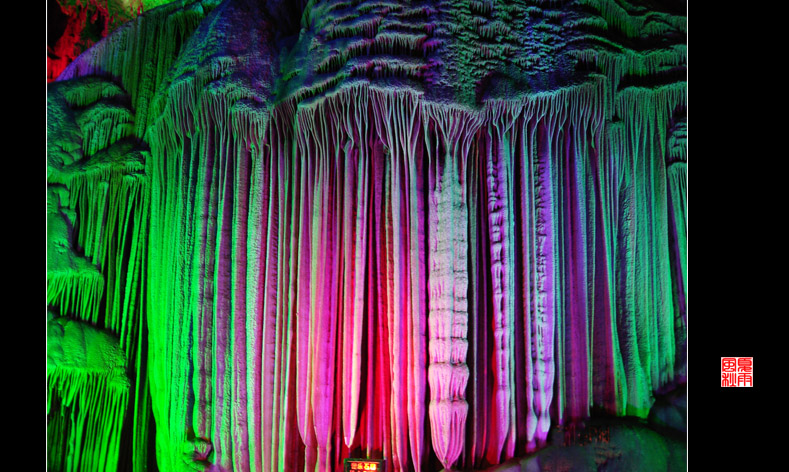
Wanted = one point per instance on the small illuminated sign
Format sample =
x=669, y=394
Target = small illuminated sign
x=354, y=465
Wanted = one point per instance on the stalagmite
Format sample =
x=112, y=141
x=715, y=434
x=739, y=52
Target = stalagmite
x=423, y=232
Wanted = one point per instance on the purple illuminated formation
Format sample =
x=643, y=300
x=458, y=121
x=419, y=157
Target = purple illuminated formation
x=428, y=232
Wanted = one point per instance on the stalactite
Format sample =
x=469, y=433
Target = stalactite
x=92, y=436
x=532, y=139
x=73, y=284
x=104, y=124
x=497, y=146
x=282, y=434
x=676, y=161
x=646, y=305
x=398, y=126
x=141, y=52
x=107, y=204
x=540, y=265
x=87, y=396
x=448, y=133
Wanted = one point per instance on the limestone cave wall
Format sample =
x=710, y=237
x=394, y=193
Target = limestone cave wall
x=282, y=234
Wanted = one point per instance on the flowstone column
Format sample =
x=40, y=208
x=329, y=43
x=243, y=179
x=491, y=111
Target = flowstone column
x=448, y=133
